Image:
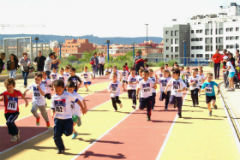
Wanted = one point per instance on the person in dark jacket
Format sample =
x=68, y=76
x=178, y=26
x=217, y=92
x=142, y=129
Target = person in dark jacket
x=12, y=66
x=2, y=57
x=138, y=61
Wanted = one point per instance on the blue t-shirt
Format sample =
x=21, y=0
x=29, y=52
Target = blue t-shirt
x=209, y=88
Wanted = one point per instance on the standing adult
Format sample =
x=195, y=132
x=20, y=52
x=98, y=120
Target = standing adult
x=225, y=74
x=48, y=64
x=101, y=60
x=25, y=64
x=39, y=61
x=94, y=62
x=237, y=58
x=231, y=59
x=138, y=61
x=55, y=62
x=216, y=58
x=12, y=66
x=2, y=57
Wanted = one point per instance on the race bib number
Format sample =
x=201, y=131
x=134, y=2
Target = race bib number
x=164, y=83
x=209, y=90
x=12, y=105
x=36, y=92
x=114, y=87
x=61, y=78
x=85, y=75
x=176, y=86
x=146, y=87
x=60, y=106
x=146, y=90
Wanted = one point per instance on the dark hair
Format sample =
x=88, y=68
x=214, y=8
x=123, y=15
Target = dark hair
x=132, y=69
x=126, y=64
x=58, y=83
x=24, y=53
x=70, y=84
x=176, y=71
x=62, y=69
x=210, y=74
x=141, y=70
x=166, y=64
x=9, y=81
x=146, y=71
x=68, y=66
x=51, y=54
x=38, y=75
x=162, y=67
x=195, y=69
x=150, y=70
x=73, y=69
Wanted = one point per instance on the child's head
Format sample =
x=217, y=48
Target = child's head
x=133, y=72
x=44, y=75
x=114, y=77
x=58, y=87
x=175, y=64
x=182, y=68
x=209, y=77
x=151, y=73
x=225, y=58
x=54, y=70
x=201, y=72
x=61, y=71
x=67, y=68
x=10, y=84
x=38, y=78
x=176, y=73
x=114, y=69
x=195, y=72
x=200, y=68
x=72, y=71
x=145, y=74
x=162, y=69
x=188, y=69
x=141, y=72
x=85, y=68
x=124, y=68
x=70, y=86
x=126, y=64
x=166, y=73
x=166, y=66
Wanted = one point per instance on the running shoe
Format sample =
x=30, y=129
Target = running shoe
x=37, y=121
x=48, y=124
x=180, y=115
x=13, y=139
x=210, y=113
x=215, y=106
x=134, y=106
x=60, y=152
x=74, y=135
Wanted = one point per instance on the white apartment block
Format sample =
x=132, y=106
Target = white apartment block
x=215, y=31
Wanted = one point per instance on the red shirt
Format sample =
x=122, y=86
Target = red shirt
x=11, y=101
x=217, y=58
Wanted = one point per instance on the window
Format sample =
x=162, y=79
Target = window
x=192, y=55
x=167, y=56
x=237, y=28
x=208, y=48
x=199, y=55
x=231, y=29
x=192, y=31
x=171, y=33
x=171, y=49
x=166, y=32
x=176, y=33
x=167, y=48
x=176, y=41
x=231, y=38
x=176, y=49
x=176, y=56
x=166, y=40
x=171, y=41
x=237, y=37
x=220, y=31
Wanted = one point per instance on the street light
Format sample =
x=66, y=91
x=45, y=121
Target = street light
x=60, y=49
x=133, y=50
x=108, y=46
x=36, y=39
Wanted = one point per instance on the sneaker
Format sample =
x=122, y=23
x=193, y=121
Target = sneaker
x=120, y=105
x=180, y=115
x=215, y=106
x=18, y=135
x=60, y=152
x=210, y=113
x=37, y=121
x=74, y=135
x=48, y=124
x=149, y=118
x=134, y=106
x=13, y=139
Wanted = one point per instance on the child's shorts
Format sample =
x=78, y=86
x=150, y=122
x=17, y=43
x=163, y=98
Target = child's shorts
x=210, y=98
x=131, y=94
x=164, y=96
x=145, y=103
x=231, y=74
x=176, y=100
x=48, y=96
x=87, y=83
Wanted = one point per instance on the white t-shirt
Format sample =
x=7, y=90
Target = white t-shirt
x=154, y=81
x=132, y=80
x=86, y=76
x=37, y=98
x=163, y=83
x=159, y=74
x=187, y=75
x=175, y=86
x=47, y=83
x=229, y=64
x=114, y=88
x=196, y=80
x=76, y=109
x=66, y=74
x=54, y=76
x=62, y=105
x=139, y=78
x=202, y=77
x=145, y=88
x=64, y=78
x=124, y=75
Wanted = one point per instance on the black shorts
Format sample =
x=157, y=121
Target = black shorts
x=131, y=93
x=164, y=96
x=210, y=98
x=145, y=103
x=48, y=96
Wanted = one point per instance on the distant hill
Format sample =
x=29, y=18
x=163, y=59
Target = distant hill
x=91, y=38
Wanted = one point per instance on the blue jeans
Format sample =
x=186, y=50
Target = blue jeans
x=25, y=77
x=12, y=74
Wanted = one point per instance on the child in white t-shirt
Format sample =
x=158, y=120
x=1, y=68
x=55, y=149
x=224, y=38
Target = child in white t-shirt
x=154, y=79
x=231, y=70
x=124, y=78
x=159, y=74
x=132, y=86
x=54, y=75
x=62, y=113
x=114, y=89
x=87, y=78
x=177, y=87
x=38, y=99
x=62, y=77
x=48, y=85
x=194, y=82
x=115, y=70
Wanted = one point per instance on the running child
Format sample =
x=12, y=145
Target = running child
x=194, y=82
x=62, y=76
x=76, y=111
x=114, y=89
x=10, y=98
x=48, y=85
x=115, y=70
x=159, y=73
x=208, y=87
x=154, y=80
x=38, y=99
x=187, y=75
x=163, y=83
x=231, y=70
x=145, y=88
x=73, y=77
x=67, y=71
x=202, y=78
x=177, y=87
x=132, y=86
x=62, y=113
x=124, y=78
x=87, y=78
x=140, y=76
x=54, y=74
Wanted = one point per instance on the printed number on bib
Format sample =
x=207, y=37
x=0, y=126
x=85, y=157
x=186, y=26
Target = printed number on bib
x=208, y=90
x=146, y=90
x=12, y=106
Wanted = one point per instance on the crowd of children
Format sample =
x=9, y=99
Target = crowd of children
x=61, y=88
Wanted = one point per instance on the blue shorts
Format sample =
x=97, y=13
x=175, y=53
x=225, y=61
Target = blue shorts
x=87, y=83
x=231, y=74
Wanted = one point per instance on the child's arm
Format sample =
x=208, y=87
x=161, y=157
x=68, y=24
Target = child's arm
x=40, y=90
x=84, y=110
x=138, y=90
x=218, y=89
x=24, y=98
x=25, y=92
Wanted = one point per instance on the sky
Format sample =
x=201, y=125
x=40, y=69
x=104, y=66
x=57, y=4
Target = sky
x=103, y=18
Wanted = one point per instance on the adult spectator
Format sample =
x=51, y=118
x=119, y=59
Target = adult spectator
x=12, y=66
x=55, y=62
x=39, y=61
x=48, y=64
x=216, y=58
x=138, y=61
x=101, y=60
x=2, y=57
x=231, y=59
x=237, y=58
x=25, y=64
x=225, y=74
x=94, y=62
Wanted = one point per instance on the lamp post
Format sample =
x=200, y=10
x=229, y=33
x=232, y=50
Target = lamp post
x=185, y=52
x=60, y=50
x=133, y=50
x=36, y=39
x=108, y=46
